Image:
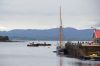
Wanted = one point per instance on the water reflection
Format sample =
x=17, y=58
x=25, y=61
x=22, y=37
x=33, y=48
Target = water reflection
x=61, y=61
x=18, y=54
x=64, y=61
x=89, y=63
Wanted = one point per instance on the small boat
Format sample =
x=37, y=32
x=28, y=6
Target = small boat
x=38, y=44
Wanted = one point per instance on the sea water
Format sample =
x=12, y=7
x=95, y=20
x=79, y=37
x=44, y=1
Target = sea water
x=18, y=54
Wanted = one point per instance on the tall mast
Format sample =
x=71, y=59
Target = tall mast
x=61, y=30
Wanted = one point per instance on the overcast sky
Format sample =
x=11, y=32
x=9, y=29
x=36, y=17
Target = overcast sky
x=44, y=14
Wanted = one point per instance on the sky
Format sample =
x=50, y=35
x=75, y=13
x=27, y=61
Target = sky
x=44, y=14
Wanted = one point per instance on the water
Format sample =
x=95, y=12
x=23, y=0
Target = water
x=18, y=54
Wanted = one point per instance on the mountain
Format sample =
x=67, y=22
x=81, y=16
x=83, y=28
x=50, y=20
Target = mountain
x=50, y=34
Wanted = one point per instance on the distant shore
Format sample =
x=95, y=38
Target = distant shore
x=12, y=41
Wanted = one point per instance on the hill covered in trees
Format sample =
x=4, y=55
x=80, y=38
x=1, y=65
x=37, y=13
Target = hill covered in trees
x=4, y=38
x=48, y=34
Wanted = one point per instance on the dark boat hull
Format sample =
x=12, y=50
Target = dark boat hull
x=38, y=44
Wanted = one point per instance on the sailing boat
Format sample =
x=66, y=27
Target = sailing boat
x=85, y=51
x=60, y=47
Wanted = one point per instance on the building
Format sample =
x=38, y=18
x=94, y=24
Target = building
x=96, y=36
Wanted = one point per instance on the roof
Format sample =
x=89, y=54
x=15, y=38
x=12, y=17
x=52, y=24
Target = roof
x=97, y=33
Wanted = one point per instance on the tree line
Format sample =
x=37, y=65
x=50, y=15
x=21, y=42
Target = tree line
x=4, y=38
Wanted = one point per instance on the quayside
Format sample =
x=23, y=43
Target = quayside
x=83, y=51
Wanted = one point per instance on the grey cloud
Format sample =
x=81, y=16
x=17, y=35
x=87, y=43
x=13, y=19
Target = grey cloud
x=47, y=7
x=97, y=24
x=72, y=11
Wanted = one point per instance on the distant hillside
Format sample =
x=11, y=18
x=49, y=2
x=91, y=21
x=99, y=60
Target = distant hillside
x=50, y=34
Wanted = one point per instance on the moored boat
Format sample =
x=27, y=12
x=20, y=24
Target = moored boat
x=38, y=44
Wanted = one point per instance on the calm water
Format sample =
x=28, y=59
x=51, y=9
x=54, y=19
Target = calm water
x=18, y=54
